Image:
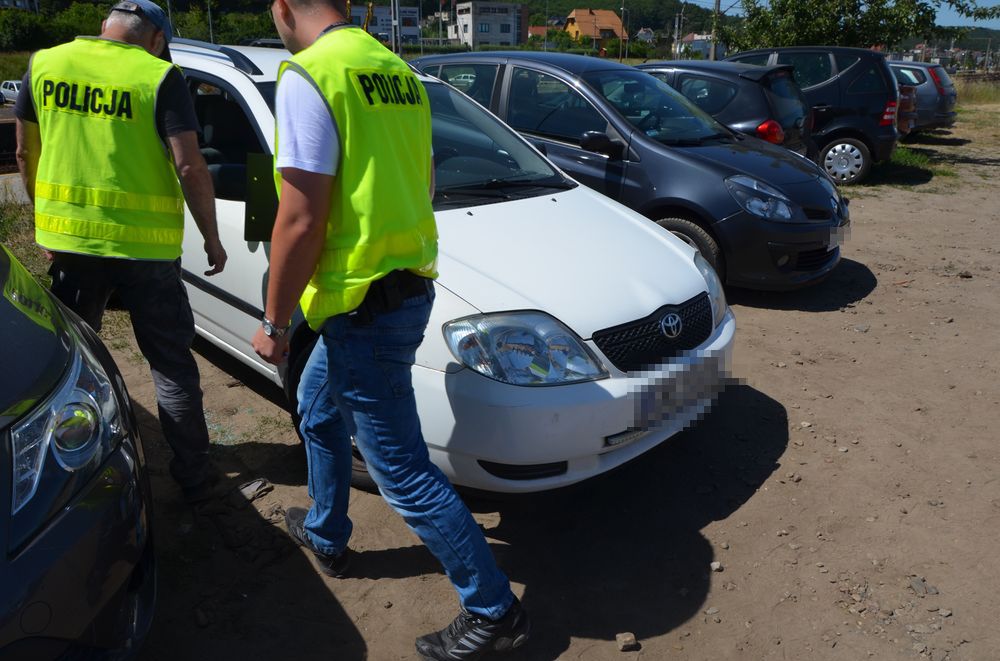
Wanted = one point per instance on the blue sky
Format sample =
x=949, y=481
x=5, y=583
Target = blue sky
x=947, y=16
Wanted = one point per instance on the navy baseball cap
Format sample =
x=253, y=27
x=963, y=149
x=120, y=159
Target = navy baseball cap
x=152, y=13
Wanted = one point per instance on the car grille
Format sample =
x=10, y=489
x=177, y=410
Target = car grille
x=811, y=260
x=639, y=344
x=525, y=472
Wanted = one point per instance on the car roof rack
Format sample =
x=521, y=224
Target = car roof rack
x=238, y=59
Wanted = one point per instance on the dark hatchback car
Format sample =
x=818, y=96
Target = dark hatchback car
x=854, y=100
x=77, y=572
x=765, y=217
x=936, y=95
x=764, y=102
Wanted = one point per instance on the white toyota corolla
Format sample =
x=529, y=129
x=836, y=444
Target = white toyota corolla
x=569, y=334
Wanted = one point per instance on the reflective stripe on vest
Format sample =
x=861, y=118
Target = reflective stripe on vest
x=105, y=185
x=381, y=218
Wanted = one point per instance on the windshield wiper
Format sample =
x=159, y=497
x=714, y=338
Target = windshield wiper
x=690, y=142
x=494, y=187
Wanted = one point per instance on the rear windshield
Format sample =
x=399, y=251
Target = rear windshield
x=943, y=76
x=785, y=98
x=909, y=76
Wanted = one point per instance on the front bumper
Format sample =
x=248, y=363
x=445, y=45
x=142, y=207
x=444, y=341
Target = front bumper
x=85, y=582
x=497, y=437
x=761, y=254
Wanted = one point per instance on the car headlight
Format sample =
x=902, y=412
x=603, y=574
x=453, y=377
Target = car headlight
x=523, y=349
x=758, y=198
x=715, y=292
x=80, y=423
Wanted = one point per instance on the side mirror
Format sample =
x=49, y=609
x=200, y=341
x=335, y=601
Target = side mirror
x=600, y=143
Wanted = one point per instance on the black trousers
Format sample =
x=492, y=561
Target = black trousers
x=158, y=306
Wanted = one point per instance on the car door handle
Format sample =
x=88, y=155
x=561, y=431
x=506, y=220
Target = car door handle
x=822, y=108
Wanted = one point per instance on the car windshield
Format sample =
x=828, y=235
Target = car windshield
x=477, y=160
x=475, y=155
x=655, y=108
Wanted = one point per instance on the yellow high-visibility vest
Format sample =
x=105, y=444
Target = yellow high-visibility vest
x=105, y=185
x=381, y=217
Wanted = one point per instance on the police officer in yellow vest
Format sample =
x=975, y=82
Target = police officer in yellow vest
x=105, y=128
x=355, y=244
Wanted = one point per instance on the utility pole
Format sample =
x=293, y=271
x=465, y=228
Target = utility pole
x=626, y=34
x=715, y=22
x=211, y=36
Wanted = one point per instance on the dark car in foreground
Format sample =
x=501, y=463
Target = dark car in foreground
x=936, y=95
x=854, y=100
x=764, y=102
x=765, y=217
x=77, y=573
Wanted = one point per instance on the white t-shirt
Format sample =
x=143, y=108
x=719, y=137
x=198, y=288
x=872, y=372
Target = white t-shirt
x=307, y=133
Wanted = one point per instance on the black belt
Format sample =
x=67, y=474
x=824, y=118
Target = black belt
x=388, y=293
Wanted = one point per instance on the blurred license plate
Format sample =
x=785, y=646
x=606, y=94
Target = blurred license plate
x=670, y=393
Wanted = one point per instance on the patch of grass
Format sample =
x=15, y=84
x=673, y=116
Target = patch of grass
x=977, y=92
x=910, y=158
x=17, y=231
x=268, y=427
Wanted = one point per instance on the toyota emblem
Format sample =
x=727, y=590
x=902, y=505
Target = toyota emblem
x=671, y=326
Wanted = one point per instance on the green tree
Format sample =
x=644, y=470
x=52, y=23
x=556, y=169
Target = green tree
x=79, y=19
x=861, y=23
x=22, y=30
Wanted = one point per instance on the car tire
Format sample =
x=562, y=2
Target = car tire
x=847, y=160
x=698, y=238
x=360, y=477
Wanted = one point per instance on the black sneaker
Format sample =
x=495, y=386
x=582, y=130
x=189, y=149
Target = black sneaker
x=334, y=566
x=209, y=488
x=471, y=636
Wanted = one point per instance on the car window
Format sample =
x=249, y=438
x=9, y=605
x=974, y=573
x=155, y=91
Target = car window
x=909, y=76
x=709, y=94
x=659, y=75
x=759, y=59
x=476, y=80
x=869, y=81
x=810, y=68
x=653, y=107
x=474, y=149
x=845, y=62
x=542, y=104
x=227, y=135
x=785, y=98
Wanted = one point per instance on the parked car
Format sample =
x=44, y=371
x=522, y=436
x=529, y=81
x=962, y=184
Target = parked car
x=763, y=216
x=764, y=102
x=77, y=569
x=936, y=95
x=854, y=100
x=548, y=360
x=9, y=90
x=906, y=118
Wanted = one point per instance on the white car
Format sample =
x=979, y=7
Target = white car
x=569, y=334
x=9, y=90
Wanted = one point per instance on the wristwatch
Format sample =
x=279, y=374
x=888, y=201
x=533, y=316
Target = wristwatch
x=271, y=330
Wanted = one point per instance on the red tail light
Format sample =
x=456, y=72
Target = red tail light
x=889, y=114
x=937, y=81
x=771, y=131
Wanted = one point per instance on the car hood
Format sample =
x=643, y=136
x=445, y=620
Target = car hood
x=756, y=158
x=577, y=255
x=36, y=346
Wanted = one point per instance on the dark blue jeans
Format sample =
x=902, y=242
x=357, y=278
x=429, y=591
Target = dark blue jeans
x=358, y=382
x=163, y=324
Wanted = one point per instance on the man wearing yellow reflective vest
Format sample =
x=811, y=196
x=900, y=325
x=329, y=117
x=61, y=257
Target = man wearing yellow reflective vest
x=108, y=152
x=355, y=245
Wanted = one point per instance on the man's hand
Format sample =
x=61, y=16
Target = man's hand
x=216, y=256
x=272, y=349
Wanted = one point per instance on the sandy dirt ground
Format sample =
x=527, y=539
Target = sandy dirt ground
x=848, y=486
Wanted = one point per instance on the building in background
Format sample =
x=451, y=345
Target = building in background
x=380, y=24
x=694, y=46
x=489, y=24
x=597, y=25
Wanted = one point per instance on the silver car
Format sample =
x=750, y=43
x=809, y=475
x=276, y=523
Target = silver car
x=936, y=95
